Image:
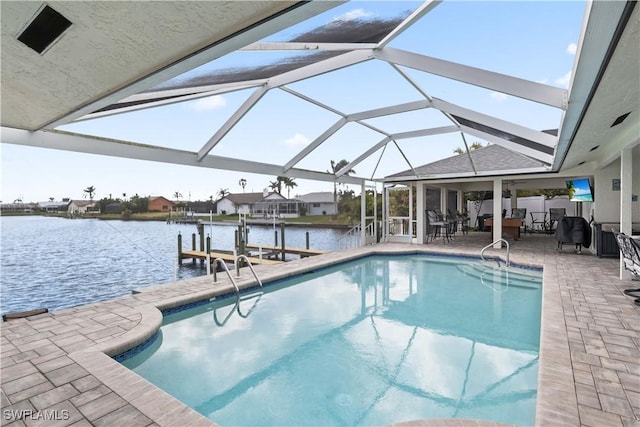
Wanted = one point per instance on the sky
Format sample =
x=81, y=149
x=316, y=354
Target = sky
x=531, y=40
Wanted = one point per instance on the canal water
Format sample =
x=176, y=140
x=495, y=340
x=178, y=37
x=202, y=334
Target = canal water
x=58, y=263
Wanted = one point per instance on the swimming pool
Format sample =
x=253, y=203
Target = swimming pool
x=369, y=342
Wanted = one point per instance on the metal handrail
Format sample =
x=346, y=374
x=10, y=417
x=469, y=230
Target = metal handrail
x=238, y=258
x=490, y=245
x=224, y=265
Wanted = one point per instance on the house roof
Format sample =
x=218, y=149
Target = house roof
x=486, y=160
x=152, y=198
x=82, y=203
x=247, y=198
x=317, y=197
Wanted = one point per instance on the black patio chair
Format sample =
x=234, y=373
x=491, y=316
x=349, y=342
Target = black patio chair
x=630, y=252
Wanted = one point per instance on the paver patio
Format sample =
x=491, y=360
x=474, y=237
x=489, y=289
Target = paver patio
x=58, y=365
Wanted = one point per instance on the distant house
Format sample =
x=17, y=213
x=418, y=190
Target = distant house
x=54, y=206
x=160, y=204
x=17, y=207
x=114, y=208
x=80, y=206
x=319, y=203
x=262, y=205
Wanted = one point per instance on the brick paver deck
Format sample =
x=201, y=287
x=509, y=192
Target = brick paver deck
x=57, y=365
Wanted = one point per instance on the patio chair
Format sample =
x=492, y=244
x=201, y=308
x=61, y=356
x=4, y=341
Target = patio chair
x=630, y=252
x=436, y=225
x=521, y=214
x=555, y=214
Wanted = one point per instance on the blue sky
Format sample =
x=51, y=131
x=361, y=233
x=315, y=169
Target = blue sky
x=530, y=40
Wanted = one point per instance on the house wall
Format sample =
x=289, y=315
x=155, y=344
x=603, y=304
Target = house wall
x=326, y=208
x=606, y=202
x=160, y=205
x=227, y=206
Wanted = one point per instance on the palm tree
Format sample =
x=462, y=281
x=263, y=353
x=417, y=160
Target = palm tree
x=242, y=183
x=51, y=199
x=177, y=195
x=91, y=190
x=289, y=183
x=335, y=167
x=223, y=192
x=276, y=185
x=473, y=146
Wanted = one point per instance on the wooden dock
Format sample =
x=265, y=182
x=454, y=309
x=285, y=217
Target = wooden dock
x=226, y=257
x=277, y=249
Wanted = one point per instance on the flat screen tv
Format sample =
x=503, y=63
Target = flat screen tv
x=580, y=190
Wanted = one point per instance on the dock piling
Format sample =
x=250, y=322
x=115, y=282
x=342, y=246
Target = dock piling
x=179, y=248
x=282, y=239
x=193, y=246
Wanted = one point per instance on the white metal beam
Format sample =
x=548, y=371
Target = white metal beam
x=313, y=145
x=279, y=46
x=401, y=135
x=363, y=156
x=386, y=111
x=312, y=101
x=69, y=141
x=191, y=60
x=538, y=137
x=232, y=121
x=534, y=154
x=422, y=10
x=321, y=67
x=503, y=83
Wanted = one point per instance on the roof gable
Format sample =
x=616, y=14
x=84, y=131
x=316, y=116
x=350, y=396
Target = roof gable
x=490, y=158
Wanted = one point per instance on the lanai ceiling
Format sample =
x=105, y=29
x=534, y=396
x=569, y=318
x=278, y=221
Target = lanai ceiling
x=118, y=58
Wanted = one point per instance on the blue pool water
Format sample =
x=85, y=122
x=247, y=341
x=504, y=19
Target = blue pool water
x=370, y=342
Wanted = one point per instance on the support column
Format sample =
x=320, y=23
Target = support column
x=497, y=211
x=444, y=194
x=363, y=214
x=626, y=190
x=514, y=199
x=420, y=212
x=460, y=201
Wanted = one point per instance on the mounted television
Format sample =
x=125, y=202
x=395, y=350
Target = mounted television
x=580, y=190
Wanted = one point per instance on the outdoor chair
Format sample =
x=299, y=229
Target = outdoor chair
x=555, y=214
x=630, y=252
x=436, y=226
x=521, y=214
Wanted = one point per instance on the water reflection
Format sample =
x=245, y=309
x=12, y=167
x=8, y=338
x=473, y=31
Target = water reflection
x=372, y=343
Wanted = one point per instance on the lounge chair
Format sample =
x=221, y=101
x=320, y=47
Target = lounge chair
x=630, y=252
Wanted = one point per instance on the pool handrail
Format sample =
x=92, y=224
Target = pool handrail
x=490, y=245
x=224, y=265
x=244, y=257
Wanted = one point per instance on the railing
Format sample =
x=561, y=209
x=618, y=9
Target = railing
x=224, y=265
x=352, y=238
x=490, y=245
x=244, y=257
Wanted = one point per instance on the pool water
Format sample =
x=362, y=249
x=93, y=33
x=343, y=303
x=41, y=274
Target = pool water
x=369, y=342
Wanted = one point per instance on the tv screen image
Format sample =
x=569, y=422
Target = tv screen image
x=580, y=190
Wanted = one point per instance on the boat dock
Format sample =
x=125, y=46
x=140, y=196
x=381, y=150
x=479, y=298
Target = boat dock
x=226, y=257
x=277, y=250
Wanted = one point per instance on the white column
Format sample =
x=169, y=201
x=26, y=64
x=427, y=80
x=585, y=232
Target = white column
x=626, y=190
x=497, y=211
x=363, y=214
x=460, y=201
x=514, y=198
x=411, y=218
x=420, y=212
x=444, y=193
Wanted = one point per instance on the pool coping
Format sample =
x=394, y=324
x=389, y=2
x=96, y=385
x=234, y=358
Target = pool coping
x=556, y=403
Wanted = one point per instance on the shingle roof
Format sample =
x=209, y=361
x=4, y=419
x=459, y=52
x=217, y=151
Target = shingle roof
x=246, y=198
x=486, y=159
x=317, y=197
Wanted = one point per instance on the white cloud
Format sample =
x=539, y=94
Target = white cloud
x=499, y=96
x=297, y=140
x=209, y=103
x=572, y=48
x=353, y=14
x=544, y=81
x=564, y=80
